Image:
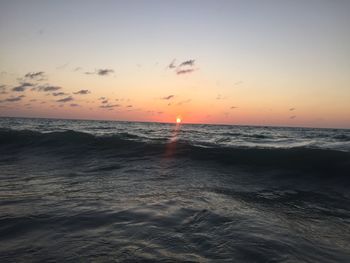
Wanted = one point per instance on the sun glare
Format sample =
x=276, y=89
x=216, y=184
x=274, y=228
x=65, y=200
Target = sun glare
x=178, y=120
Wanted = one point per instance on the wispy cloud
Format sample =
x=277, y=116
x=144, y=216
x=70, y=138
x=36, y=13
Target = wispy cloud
x=109, y=106
x=101, y=72
x=184, y=71
x=184, y=101
x=58, y=94
x=48, y=88
x=40, y=75
x=74, y=105
x=292, y=109
x=22, y=87
x=233, y=107
x=187, y=63
x=185, y=67
x=3, y=89
x=82, y=92
x=13, y=99
x=292, y=117
x=168, y=97
x=172, y=64
x=66, y=99
x=221, y=97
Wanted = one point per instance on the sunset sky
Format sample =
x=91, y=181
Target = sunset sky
x=233, y=62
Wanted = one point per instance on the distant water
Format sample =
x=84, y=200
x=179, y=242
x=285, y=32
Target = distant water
x=99, y=191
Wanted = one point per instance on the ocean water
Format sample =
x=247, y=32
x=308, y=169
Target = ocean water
x=100, y=191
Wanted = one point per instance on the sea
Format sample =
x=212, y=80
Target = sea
x=110, y=191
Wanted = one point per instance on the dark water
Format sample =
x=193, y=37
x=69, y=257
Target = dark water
x=93, y=191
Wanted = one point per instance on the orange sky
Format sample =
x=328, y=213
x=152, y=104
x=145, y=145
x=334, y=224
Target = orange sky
x=217, y=63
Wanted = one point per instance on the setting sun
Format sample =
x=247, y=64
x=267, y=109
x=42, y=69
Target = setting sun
x=178, y=120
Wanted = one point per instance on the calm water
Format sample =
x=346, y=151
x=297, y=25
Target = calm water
x=98, y=191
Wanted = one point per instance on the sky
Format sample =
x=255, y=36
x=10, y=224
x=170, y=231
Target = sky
x=279, y=63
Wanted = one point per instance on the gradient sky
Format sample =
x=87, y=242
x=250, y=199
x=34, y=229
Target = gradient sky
x=234, y=62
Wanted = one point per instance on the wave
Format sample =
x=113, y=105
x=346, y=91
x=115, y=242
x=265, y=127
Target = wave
x=322, y=161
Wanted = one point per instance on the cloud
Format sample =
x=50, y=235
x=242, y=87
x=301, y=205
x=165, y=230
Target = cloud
x=238, y=83
x=77, y=69
x=109, y=106
x=40, y=75
x=63, y=66
x=184, y=71
x=3, y=89
x=187, y=63
x=13, y=99
x=292, y=117
x=172, y=64
x=184, y=101
x=102, y=98
x=168, y=97
x=129, y=106
x=234, y=107
x=58, y=94
x=101, y=72
x=104, y=101
x=104, y=72
x=74, y=105
x=22, y=87
x=66, y=99
x=292, y=109
x=82, y=92
x=48, y=88
x=220, y=97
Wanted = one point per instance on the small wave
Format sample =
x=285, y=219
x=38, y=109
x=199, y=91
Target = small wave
x=298, y=158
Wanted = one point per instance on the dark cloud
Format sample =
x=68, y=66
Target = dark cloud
x=74, y=105
x=13, y=99
x=168, y=97
x=58, y=94
x=101, y=72
x=104, y=101
x=292, y=117
x=40, y=75
x=77, y=69
x=109, y=106
x=184, y=71
x=102, y=98
x=129, y=106
x=187, y=63
x=22, y=87
x=291, y=109
x=66, y=99
x=82, y=92
x=104, y=72
x=48, y=88
x=234, y=107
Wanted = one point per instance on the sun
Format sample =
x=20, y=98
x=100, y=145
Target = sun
x=178, y=120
